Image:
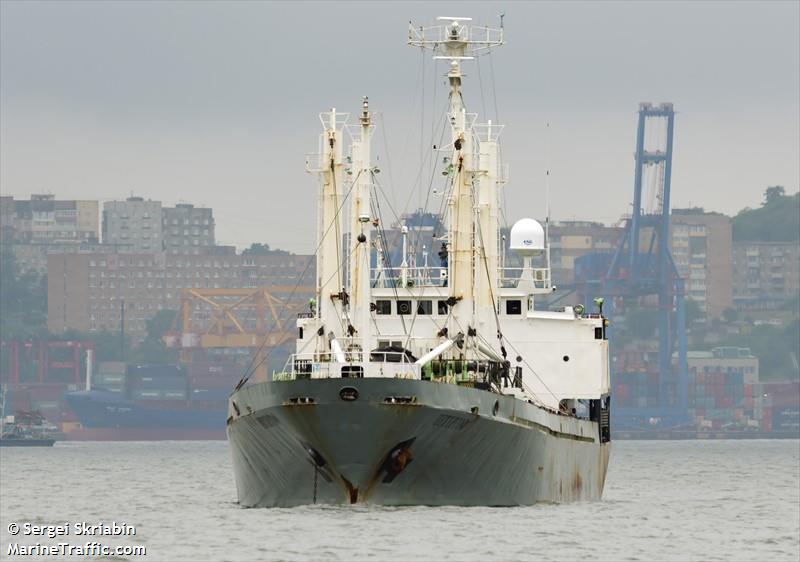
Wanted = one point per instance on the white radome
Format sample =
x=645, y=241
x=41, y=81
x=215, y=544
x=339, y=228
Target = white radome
x=527, y=237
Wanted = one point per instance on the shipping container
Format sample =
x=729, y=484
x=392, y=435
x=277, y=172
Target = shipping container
x=156, y=383
x=156, y=370
x=111, y=367
x=112, y=379
x=212, y=394
x=786, y=419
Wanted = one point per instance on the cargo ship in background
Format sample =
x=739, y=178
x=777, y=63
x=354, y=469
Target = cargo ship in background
x=115, y=401
x=153, y=402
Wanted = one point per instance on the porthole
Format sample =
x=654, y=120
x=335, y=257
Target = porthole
x=566, y=358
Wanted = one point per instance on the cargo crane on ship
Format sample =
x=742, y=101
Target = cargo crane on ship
x=642, y=266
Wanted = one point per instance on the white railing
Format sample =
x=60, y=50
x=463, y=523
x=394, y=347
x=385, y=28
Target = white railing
x=437, y=277
x=358, y=364
x=414, y=277
x=510, y=277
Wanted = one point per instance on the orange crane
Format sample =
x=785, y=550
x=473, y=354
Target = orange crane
x=236, y=318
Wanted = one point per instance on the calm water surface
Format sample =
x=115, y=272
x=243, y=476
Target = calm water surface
x=721, y=500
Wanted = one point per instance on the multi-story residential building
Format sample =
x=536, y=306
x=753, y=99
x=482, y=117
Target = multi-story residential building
x=570, y=240
x=32, y=257
x=86, y=291
x=33, y=228
x=701, y=248
x=187, y=229
x=766, y=275
x=45, y=220
x=133, y=225
x=6, y=218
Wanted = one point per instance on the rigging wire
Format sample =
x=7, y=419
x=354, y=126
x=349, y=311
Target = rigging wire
x=386, y=257
x=249, y=370
x=429, y=157
x=514, y=349
x=480, y=84
x=335, y=273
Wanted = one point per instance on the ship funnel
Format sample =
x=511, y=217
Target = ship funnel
x=527, y=237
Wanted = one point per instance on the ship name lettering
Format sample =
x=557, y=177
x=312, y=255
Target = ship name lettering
x=450, y=422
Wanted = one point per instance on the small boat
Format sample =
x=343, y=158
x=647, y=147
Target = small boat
x=24, y=429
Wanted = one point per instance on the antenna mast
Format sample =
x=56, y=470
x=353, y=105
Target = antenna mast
x=360, y=226
x=456, y=40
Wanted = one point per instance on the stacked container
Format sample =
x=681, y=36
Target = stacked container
x=156, y=382
x=213, y=381
x=110, y=376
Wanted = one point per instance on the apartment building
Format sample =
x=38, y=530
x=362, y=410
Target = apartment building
x=570, y=240
x=701, y=248
x=187, y=229
x=33, y=228
x=766, y=275
x=88, y=291
x=133, y=225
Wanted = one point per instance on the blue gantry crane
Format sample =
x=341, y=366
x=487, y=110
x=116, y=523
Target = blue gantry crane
x=642, y=268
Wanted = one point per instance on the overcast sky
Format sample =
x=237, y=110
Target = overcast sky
x=216, y=103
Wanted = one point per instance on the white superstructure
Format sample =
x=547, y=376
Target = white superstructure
x=374, y=319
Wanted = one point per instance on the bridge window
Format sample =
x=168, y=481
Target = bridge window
x=383, y=307
x=513, y=307
x=425, y=308
x=403, y=307
x=443, y=308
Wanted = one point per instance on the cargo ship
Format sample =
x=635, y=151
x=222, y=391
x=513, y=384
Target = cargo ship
x=154, y=402
x=420, y=384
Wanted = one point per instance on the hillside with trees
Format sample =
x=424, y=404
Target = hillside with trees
x=777, y=220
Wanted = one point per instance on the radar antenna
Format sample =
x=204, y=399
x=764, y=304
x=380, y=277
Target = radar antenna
x=455, y=40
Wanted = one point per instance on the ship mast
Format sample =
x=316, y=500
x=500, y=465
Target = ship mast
x=360, y=227
x=457, y=42
x=331, y=296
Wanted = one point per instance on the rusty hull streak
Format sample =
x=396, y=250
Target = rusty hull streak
x=318, y=443
x=352, y=493
x=605, y=451
x=370, y=486
x=577, y=483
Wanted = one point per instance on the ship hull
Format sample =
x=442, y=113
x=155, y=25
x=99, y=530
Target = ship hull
x=406, y=442
x=11, y=442
x=105, y=416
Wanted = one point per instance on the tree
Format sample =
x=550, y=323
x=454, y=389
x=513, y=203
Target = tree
x=161, y=323
x=774, y=347
x=259, y=249
x=23, y=299
x=777, y=220
x=108, y=346
x=730, y=315
x=692, y=311
x=152, y=349
x=641, y=323
x=773, y=194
